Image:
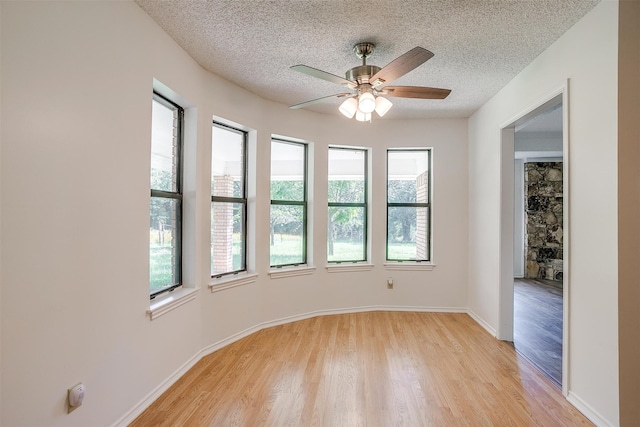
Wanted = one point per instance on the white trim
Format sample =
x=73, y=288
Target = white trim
x=481, y=322
x=409, y=266
x=348, y=267
x=539, y=156
x=290, y=272
x=506, y=214
x=566, y=240
x=138, y=409
x=172, y=301
x=223, y=283
x=588, y=411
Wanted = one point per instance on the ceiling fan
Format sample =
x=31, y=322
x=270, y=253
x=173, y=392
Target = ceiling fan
x=365, y=84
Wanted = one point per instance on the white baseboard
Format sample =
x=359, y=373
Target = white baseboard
x=572, y=398
x=128, y=418
x=131, y=415
x=588, y=411
x=481, y=322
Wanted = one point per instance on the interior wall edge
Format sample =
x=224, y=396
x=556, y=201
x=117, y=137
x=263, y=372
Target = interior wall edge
x=479, y=320
x=588, y=411
x=593, y=128
x=628, y=211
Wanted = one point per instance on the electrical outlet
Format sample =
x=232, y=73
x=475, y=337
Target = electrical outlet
x=75, y=396
x=390, y=283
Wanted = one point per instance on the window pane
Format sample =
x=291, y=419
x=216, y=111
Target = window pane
x=287, y=171
x=227, y=237
x=408, y=176
x=287, y=235
x=164, y=147
x=227, y=163
x=407, y=233
x=346, y=175
x=164, y=240
x=345, y=236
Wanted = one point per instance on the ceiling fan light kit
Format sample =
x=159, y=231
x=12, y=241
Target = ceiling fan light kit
x=366, y=102
x=349, y=107
x=363, y=117
x=366, y=83
x=383, y=105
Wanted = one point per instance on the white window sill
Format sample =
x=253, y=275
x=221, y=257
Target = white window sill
x=410, y=266
x=291, y=271
x=348, y=267
x=229, y=282
x=164, y=304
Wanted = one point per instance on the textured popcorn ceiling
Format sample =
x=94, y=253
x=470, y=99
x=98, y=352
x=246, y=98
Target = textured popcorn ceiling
x=479, y=46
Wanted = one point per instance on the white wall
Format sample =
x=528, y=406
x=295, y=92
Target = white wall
x=538, y=141
x=518, y=218
x=593, y=333
x=76, y=90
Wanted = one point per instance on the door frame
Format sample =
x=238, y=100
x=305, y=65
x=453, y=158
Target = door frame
x=504, y=330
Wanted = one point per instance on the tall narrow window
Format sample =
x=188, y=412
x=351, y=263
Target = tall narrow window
x=228, y=200
x=288, y=218
x=347, y=215
x=165, y=222
x=408, y=205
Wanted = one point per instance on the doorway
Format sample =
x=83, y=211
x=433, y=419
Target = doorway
x=538, y=247
x=534, y=278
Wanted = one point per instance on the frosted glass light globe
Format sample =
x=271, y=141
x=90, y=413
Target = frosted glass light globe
x=363, y=117
x=366, y=102
x=349, y=107
x=382, y=106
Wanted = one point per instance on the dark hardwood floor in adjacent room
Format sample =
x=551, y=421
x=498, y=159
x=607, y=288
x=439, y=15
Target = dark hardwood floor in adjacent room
x=537, y=325
x=365, y=369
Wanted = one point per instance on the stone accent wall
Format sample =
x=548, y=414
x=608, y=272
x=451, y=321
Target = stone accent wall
x=543, y=220
x=422, y=224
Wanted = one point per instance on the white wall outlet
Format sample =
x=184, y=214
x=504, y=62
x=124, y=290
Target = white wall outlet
x=75, y=396
x=390, y=283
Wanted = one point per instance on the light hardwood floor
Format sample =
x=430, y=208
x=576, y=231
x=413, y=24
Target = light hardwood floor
x=365, y=369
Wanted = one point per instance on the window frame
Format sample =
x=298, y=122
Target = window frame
x=364, y=204
x=427, y=205
x=303, y=203
x=242, y=200
x=177, y=195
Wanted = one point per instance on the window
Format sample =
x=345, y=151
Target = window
x=165, y=234
x=228, y=200
x=347, y=196
x=408, y=205
x=288, y=217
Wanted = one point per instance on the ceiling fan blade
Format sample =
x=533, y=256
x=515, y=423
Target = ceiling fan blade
x=401, y=65
x=415, y=92
x=313, y=72
x=316, y=101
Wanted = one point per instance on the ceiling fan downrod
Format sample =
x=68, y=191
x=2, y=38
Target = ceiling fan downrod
x=364, y=50
x=362, y=73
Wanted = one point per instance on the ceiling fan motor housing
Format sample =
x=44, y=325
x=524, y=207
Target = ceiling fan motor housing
x=362, y=73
